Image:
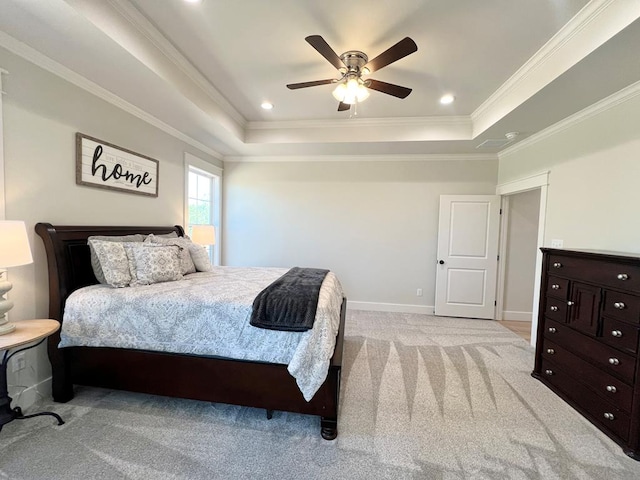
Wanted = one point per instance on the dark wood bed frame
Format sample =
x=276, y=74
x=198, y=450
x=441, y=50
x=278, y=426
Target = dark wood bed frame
x=214, y=379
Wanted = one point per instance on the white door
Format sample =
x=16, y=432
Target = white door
x=467, y=255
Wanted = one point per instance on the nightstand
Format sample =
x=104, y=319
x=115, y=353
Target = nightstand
x=26, y=332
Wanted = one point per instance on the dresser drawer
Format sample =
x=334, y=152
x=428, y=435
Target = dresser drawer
x=622, y=305
x=621, y=276
x=620, y=335
x=558, y=287
x=601, y=412
x=615, y=362
x=606, y=386
x=555, y=309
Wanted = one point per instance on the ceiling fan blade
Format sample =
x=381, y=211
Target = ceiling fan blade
x=294, y=86
x=323, y=48
x=388, y=88
x=404, y=47
x=343, y=106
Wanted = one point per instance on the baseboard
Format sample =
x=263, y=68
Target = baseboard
x=517, y=316
x=30, y=395
x=390, y=307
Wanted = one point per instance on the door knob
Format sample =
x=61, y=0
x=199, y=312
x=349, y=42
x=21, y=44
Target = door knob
x=441, y=262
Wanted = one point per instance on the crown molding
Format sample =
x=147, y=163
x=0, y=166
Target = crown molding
x=462, y=157
x=598, y=21
x=463, y=121
x=130, y=13
x=26, y=52
x=622, y=96
x=419, y=129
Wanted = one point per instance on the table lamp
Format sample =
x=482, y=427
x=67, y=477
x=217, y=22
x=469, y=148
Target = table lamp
x=203, y=234
x=14, y=251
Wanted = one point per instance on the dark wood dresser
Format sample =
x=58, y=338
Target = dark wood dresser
x=587, y=344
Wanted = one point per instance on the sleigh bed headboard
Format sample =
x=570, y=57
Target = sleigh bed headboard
x=69, y=260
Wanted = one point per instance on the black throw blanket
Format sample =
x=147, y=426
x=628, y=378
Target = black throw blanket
x=290, y=302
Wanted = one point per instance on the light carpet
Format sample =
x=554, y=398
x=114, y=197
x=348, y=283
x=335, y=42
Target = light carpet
x=422, y=397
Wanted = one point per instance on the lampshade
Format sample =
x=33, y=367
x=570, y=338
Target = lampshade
x=14, y=244
x=203, y=234
x=14, y=251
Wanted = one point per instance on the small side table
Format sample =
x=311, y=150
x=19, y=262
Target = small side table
x=27, y=331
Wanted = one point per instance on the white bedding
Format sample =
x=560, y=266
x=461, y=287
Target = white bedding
x=206, y=313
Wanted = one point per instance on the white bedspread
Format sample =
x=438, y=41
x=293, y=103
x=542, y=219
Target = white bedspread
x=206, y=313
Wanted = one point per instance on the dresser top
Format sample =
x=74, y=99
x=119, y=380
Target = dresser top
x=600, y=254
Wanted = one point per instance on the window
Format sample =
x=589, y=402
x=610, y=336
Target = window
x=203, y=204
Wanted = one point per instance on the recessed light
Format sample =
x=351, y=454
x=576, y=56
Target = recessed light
x=447, y=99
x=267, y=105
x=193, y=1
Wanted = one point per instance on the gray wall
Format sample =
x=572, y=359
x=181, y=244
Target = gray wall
x=42, y=113
x=374, y=223
x=521, y=248
x=593, y=195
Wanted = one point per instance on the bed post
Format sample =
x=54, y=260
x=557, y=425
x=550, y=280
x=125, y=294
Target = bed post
x=61, y=386
x=329, y=423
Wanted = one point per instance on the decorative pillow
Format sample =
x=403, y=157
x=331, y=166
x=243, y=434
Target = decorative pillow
x=186, y=264
x=111, y=258
x=153, y=263
x=164, y=235
x=95, y=263
x=200, y=258
x=198, y=254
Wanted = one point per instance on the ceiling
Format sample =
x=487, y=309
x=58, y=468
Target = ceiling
x=201, y=71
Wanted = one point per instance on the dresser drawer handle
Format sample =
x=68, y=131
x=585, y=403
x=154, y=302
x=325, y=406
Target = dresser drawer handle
x=548, y=372
x=570, y=303
x=614, y=361
x=619, y=305
x=552, y=330
x=550, y=351
x=555, y=286
x=616, y=333
x=623, y=276
x=557, y=265
x=553, y=308
x=611, y=389
x=609, y=416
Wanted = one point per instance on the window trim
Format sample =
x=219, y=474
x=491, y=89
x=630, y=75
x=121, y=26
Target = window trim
x=191, y=162
x=2, y=167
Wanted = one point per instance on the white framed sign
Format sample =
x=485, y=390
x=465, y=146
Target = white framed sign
x=103, y=165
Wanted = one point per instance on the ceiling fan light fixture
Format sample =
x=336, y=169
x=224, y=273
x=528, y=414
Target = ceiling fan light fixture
x=351, y=91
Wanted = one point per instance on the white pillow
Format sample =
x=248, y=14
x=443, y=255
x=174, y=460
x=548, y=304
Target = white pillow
x=150, y=263
x=186, y=264
x=200, y=258
x=111, y=258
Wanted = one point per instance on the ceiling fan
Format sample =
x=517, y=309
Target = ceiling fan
x=352, y=65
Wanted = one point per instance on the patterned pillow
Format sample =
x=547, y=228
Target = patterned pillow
x=111, y=257
x=95, y=262
x=186, y=264
x=153, y=263
x=198, y=254
x=200, y=258
x=164, y=235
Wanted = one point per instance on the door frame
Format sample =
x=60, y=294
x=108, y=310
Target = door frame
x=533, y=182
